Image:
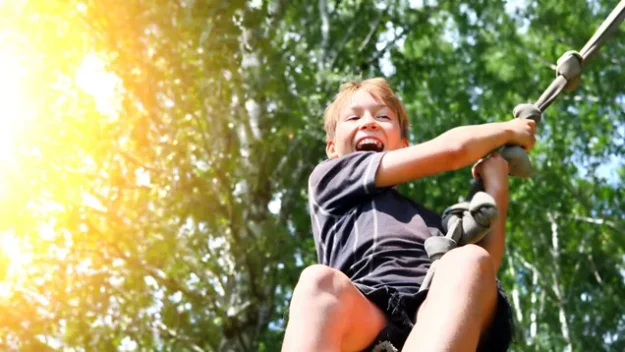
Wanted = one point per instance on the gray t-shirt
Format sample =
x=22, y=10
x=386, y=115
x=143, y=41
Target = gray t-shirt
x=373, y=235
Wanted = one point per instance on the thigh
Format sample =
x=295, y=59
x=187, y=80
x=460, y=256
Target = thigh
x=364, y=320
x=499, y=335
x=460, y=304
x=329, y=312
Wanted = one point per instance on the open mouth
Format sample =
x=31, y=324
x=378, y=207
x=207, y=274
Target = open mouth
x=370, y=145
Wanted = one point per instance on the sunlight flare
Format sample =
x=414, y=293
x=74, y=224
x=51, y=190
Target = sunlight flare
x=13, y=262
x=12, y=104
x=93, y=78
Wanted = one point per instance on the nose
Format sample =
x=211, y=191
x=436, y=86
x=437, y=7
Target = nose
x=369, y=123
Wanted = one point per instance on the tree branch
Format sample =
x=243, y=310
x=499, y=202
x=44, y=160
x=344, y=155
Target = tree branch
x=594, y=270
x=557, y=288
x=136, y=160
x=337, y=4
x=203, y=132
x=159, y=275
x=341, y=44
x=372, y=30
x=159, y=324
x=533, y=299
x=388, y=45
x=325, y=32
x=515, y=292
x=596, y=221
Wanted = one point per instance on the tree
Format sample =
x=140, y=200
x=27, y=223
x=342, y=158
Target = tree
x=157, y=195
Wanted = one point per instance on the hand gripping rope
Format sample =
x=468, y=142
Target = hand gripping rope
x=469, y=221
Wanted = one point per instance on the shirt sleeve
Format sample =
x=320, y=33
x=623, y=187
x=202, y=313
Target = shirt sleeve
x=337, y=185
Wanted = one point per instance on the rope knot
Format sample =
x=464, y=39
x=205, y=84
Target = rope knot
x=468, y=222
x=436, y=247
x=569, y=66
x=527, y=111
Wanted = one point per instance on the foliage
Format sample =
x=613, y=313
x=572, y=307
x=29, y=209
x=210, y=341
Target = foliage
x=154, y=187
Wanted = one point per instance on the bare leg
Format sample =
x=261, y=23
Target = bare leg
x=460, y=304
x=328, y=313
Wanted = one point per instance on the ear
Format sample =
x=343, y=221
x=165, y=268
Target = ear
x=331, y=150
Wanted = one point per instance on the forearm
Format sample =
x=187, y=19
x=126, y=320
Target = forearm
x=475, y=141
x=495, y=241
x=452, y=150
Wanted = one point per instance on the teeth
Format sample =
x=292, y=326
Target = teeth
x=370, y=141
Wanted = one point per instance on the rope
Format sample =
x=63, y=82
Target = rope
x=465, y=223
x=468, y=222
x=568, y=77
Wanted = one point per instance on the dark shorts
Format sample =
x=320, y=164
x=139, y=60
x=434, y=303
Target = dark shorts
x=401, y=310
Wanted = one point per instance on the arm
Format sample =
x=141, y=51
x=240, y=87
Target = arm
x=454, y=149
x=494, y=172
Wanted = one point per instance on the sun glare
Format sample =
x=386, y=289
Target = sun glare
x=56, y=90
x=12, y=104
x=13, y=260
x=103, y=86
x=19, y=111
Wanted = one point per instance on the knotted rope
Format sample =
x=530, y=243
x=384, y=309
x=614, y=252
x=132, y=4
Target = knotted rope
x=469, y=221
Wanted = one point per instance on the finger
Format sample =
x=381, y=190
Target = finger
x=477, y=174
x=495, y=155
x=477, y=168
x=528, y=143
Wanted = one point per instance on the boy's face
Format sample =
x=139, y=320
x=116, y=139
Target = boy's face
x=365, y=124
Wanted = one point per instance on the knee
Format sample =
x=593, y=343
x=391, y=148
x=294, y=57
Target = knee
x=470, y=261
x=320, y=284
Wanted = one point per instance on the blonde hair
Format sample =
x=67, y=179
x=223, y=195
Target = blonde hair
x=379, y=89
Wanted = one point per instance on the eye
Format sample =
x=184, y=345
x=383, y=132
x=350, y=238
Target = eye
x=385, y=117
x=352, y=117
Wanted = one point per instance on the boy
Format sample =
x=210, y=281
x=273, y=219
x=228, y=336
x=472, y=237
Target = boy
x=369, y=238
